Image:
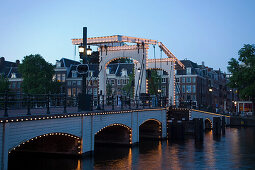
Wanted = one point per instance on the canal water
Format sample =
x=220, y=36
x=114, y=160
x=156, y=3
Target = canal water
x=234, y=150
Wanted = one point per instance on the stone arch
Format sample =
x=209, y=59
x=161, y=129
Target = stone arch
x=43, y=141
x=150, y=128
x=114, y=134
x=208, y=124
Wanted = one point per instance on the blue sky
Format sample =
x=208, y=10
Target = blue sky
x=199, y=30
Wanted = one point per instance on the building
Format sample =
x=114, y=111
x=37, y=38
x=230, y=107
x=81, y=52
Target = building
x=9, y=70
x=203, y=88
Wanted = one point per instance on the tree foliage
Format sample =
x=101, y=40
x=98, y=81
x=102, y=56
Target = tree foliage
x=4, y=84
x=37, y=75
x=243, y=72
x=108, y=89
x=129, y=87
x=154, y=81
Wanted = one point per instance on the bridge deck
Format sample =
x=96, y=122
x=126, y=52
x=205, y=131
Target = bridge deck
x=15, y=115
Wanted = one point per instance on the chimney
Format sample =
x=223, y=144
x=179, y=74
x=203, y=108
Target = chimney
x=203, y=63
x=2, y=60
x=17, y=62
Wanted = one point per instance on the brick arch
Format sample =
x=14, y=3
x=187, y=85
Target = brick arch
x=150, y=128
x=156, y=120
x=126, y=136
x=210, y=121
x=24, y=142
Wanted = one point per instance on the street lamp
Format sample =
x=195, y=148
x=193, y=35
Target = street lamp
x=84, y=99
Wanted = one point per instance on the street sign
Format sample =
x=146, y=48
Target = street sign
x=82, y=68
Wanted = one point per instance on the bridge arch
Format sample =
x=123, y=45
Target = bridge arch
x=208, y=123
x=134, y=52
x=51, y=143
x=150, y=128
x=114, y=134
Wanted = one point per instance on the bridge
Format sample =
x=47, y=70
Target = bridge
x=208, y=117
x=77, y=134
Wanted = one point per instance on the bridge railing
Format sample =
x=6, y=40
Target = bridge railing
x=21, y=104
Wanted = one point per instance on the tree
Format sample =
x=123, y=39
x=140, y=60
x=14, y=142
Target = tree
x=154, y=81
x=37, y=74
x=129, y=87
x=243, y=73
x=4, y=84
x=108, y=89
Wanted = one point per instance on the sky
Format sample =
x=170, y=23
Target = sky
x=198, y=30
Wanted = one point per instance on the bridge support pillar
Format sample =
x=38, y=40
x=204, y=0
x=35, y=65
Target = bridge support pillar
x=87, y=135
x=216, y=126
x=3, y=145
x=135, y=127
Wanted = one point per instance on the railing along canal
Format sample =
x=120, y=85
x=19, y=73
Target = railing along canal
x=21, y=104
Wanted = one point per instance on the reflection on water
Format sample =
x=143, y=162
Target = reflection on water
x=235, y=149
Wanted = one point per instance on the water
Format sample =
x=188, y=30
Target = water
x=234, y=150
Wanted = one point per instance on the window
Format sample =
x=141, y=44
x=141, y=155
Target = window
x=194, y=97
x=177, y=97
x=69, y=83
x=90, y=91
x=183, y=80
x=124, y=81
x=188, y=70
x=74, y=91
x=74, y=74
x=13, y=76
x=95, y=91
x=188, y=80
x=63, y=77
x=188, y=88
x=177, y=80
x=74, y=83
x=18, y=84
x=118, y=82
x=78, y=83
x=183, y=88
x=177, y=88
x=163, y=80
x=58, y=77
x=13, y=85
x=69, y=92
x=90, y=82
x=112, y=82
x=90, y=74
x=58, y=64
x=194, y=80
x=194, y=88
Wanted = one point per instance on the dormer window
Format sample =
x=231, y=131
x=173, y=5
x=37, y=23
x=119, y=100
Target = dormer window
x=13, y=76
x=123, y=72
x=188, y=70
x=58, y=64
x=74, y=74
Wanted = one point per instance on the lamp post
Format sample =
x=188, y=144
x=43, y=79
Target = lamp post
x=84, y=99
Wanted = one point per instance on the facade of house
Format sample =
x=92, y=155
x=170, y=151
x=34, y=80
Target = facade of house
x=9, y=70
x=203, y=88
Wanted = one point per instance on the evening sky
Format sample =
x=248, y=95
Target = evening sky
x=199, y=30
